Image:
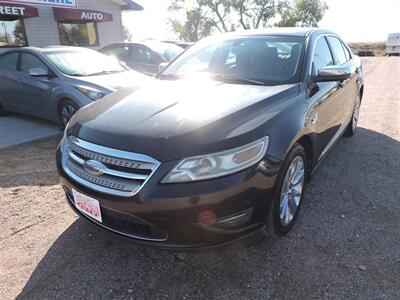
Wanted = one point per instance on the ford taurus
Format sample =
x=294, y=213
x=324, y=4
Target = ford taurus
x=220, y=145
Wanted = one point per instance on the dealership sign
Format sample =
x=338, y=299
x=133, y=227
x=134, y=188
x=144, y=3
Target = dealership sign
x=55, y=3
x=85, y=15
x=14, y=10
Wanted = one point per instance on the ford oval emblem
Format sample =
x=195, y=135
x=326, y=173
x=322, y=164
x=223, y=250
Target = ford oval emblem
x=94, y=167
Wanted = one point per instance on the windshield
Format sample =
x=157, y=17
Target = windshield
x=167, y=51
x=84, y=63
x=269, y=60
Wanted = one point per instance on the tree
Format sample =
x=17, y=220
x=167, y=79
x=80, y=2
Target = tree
x=202, y=17
x=193, y=28
x=302, y=13
x=255, y=13
x=196, y=23
x=126, y=34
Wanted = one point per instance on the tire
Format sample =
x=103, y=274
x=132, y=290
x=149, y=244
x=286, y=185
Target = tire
x=66, y=109
x=352, y=127
x=2, y=111
x=279, y=223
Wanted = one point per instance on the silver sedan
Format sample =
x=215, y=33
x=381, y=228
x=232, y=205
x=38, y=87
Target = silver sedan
x=54, y=82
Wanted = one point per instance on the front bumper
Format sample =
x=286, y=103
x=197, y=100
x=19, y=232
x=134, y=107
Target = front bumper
x=167, y=215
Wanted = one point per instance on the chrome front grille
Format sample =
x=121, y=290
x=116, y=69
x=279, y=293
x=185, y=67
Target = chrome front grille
x=121, y=173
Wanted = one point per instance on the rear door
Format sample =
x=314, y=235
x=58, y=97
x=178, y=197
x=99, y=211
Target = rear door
x=9, y=81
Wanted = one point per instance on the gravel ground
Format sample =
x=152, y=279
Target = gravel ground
x=344, y=245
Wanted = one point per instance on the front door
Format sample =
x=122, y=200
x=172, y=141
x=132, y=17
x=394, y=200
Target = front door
x=349, y=88
x=325, y=115
x=34, y=95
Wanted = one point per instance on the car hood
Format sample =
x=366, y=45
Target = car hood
x=116, y=81
x=173, y=119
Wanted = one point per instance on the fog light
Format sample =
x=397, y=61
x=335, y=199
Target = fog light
x=207, y=217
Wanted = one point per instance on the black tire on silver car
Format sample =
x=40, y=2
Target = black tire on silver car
x=66, y=109
x=2, y=111
x=288, y=196
x=352, y=128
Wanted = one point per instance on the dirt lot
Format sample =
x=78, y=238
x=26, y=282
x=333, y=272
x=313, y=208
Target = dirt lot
x=345, y=244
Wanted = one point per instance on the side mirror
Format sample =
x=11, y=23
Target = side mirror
x=333, y=73
x=162, y=66
x=38, y=72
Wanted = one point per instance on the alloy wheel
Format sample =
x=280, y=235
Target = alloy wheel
x=292, y=190
x=67, y=112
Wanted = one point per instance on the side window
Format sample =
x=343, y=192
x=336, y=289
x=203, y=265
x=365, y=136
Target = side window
x=121, y=52
x=338, y=50
x=143, y=55
x=9, y=61
x=346, y=52
x=322, y=55
x=30, y=61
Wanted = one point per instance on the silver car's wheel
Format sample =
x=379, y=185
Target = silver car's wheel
x=66, y=110
x=292, y=191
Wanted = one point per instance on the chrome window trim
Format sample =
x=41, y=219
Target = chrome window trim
x=101, y=150
x=311, y=57
x=334, y=139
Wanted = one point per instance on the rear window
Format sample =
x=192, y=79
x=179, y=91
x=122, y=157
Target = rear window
x=338, y=50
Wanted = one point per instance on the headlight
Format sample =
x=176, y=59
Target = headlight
x=218, y=164
x=90, y=92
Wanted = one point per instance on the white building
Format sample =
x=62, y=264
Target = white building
x=88, y=23
x=393, y=44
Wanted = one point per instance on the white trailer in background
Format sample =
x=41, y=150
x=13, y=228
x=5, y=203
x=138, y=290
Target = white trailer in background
x=393, y=44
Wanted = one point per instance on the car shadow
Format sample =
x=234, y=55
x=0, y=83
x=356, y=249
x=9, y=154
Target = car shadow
x=320, y=256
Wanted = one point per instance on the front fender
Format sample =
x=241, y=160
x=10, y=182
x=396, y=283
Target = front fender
x=288, y=127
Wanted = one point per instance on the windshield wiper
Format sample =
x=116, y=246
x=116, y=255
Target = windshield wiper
x=169, y=76
x=105, y=72
x=77, y=75
x=224, y=77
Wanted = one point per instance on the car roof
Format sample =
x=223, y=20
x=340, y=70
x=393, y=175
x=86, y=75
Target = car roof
x=281, y=31
x=43, y=49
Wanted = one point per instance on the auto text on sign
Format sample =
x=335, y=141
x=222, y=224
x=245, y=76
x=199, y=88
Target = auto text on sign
x=93, y=16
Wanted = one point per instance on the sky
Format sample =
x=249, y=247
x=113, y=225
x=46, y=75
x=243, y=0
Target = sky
x=354, y=20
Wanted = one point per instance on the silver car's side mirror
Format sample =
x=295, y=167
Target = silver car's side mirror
x=162, y=66
x=38, y=72
x=333, y=73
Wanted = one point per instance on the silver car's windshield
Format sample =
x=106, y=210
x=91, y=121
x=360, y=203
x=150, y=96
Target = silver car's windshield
x=84, y=63
x=267, y=60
